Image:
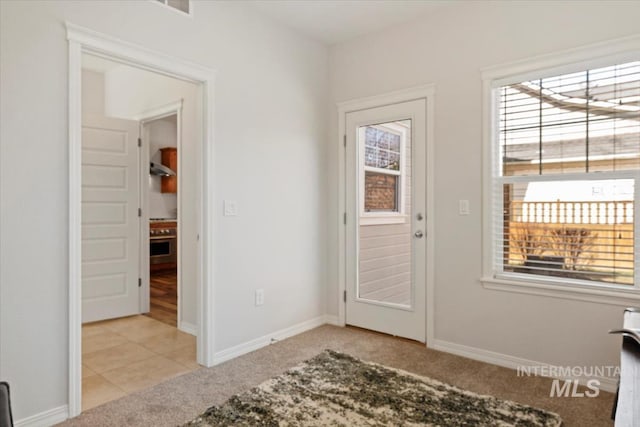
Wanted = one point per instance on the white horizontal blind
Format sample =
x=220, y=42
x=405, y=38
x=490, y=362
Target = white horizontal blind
x=553, y=215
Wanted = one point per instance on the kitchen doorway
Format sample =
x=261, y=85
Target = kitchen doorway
x=128, y=57
x=161, y=137
x=133, y=315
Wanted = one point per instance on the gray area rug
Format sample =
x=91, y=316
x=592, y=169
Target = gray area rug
x=339, y=390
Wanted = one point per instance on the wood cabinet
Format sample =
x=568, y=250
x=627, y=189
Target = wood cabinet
x=169, y=184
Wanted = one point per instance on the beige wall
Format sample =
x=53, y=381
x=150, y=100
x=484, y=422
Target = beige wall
x=270, y=119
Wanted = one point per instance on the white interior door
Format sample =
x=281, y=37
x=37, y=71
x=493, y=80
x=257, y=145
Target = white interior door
x=110, y=222
x=386, y=202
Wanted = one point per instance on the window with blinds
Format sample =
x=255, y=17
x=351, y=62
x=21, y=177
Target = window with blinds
x=565, y=177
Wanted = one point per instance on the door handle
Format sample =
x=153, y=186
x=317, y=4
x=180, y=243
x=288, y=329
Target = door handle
x=419, y=234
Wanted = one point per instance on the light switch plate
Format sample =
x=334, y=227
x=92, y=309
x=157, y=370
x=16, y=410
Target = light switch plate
x=259, y=297
x=463, y=207
x=230, y=208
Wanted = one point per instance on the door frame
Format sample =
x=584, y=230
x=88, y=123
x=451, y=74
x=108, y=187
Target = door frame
x=426, y=92
x=144, y=118
x=82, y=40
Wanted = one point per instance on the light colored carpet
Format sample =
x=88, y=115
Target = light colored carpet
x=335, y=389
x=183, y=398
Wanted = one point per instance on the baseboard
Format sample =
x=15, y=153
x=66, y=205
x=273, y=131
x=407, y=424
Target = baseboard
x=507, y=361
x=46, y=418
x=249, y=346
x=330, y=319
x=188, y=328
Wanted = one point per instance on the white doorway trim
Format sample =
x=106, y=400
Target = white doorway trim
x=82, y=40
x=145, y=118
x=426, y=92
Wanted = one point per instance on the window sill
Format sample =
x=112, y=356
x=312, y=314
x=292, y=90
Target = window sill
x=602, y=294
x=383, y=219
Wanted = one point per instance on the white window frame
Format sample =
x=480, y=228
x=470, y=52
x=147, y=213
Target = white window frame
x=165, y=5
x=381, y=218
x=598, y=55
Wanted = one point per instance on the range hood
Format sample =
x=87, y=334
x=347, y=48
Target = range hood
x=160, y=170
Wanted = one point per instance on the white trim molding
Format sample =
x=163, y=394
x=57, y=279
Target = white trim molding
x=160, y=112
x=426, y=92
x=82, y=40
x=118, y=50
x=598, y=54
x=75, y=229
x=612, y=295
x=506, y=361
x=265, y=340
x=46, y=418
x=188, y=328
x=331, y=319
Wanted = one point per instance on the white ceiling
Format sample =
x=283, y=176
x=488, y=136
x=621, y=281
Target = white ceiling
x=334, y=21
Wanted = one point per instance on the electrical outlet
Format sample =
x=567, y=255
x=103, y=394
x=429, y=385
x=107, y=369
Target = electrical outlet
x=259, y=297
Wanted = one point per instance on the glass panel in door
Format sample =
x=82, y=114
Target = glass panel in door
x=384, y=222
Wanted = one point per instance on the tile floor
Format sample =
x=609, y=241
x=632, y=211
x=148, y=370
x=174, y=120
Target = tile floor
x=124, y=355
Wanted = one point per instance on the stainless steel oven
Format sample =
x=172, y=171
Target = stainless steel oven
x=163, y=247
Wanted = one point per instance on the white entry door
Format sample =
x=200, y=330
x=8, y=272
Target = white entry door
x=386, y=219
x=110, y=222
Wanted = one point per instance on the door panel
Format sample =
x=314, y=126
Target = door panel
x=386, y=251
x=110, y=222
